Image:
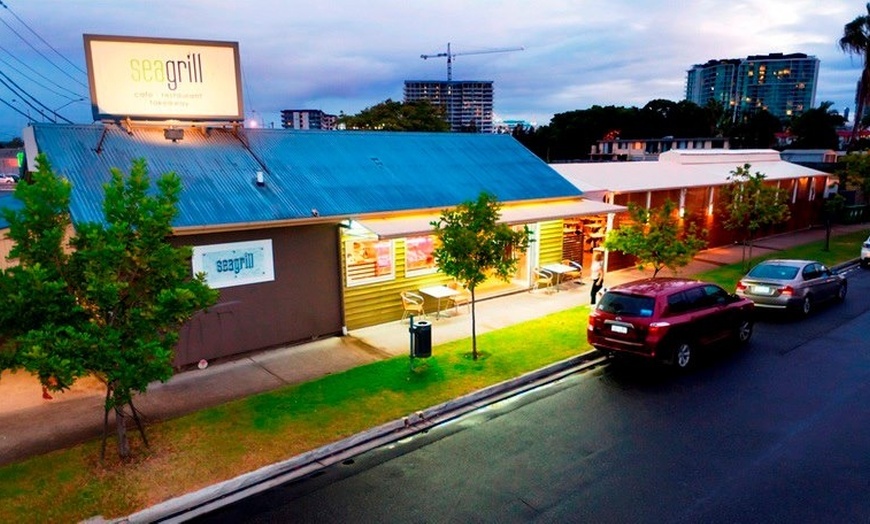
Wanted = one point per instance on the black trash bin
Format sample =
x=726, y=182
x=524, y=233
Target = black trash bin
x=421, y=339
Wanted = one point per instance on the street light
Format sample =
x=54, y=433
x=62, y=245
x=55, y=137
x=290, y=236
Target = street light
x=54, y=111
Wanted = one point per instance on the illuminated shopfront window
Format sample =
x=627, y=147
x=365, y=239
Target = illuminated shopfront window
x=368, y=261
x=419, y=255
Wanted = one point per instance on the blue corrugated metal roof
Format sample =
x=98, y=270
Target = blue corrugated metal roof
x=338, y=173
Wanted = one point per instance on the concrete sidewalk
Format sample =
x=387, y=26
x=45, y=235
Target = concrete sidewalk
x=31, y=425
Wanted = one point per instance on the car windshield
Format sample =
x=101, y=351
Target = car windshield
x=627, y=305
x=774, y=271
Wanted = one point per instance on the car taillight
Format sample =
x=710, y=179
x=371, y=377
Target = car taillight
x=741, y=286
x=786, y=290
x=593, y=320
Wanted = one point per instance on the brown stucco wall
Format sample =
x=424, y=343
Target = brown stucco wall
x=301, y=304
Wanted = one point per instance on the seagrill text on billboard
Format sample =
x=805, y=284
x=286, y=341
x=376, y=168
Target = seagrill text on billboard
x=163, y=79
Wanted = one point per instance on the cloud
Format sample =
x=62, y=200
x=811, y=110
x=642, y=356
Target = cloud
x=346, y=55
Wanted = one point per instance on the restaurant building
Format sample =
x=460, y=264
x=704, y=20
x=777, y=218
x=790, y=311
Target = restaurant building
x=306, y=234
x=692, y=180
x=309, y=234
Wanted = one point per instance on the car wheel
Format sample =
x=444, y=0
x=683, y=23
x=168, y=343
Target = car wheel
x=841, y=293
x=806, y=306
x=744, y=331
x=683, y=355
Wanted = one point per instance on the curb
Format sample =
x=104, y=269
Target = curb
x=190, y=505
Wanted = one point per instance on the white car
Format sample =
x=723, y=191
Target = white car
x=865, y=253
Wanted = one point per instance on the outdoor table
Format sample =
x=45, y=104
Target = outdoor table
x=439, y=292
x=559, y=270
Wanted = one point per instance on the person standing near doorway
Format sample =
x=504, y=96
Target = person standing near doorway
x=597, y=276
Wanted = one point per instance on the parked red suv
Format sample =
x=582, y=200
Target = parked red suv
x=667, y=319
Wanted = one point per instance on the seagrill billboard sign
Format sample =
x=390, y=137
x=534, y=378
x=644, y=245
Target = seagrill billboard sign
x=163, y=79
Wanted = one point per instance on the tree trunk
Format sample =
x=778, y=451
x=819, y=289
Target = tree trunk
x=473, y=328
x=827, y=233
x=105, y=422
x=121, y=430
x=139, y=424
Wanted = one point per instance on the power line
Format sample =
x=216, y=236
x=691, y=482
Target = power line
x=12, y=107
x=22, y=22
x=24, y=94
x=40, y=53
x=34, y=79
x=34, y=71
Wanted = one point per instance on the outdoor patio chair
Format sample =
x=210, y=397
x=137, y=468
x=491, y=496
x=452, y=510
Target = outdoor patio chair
x=573, y=275
x=412, y=304
x=462, y=298
x=543, y=280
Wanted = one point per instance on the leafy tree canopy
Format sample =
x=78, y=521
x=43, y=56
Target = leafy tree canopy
x=398, y=116
x=854, y=173
x=655, y=238
x=104, y=299
x=817, y=128
x=856, y=41
x=14, y=143
x=756, y=131
x=571, y=135
x=748, y=204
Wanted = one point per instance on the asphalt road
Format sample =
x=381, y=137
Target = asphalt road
x=775, y=432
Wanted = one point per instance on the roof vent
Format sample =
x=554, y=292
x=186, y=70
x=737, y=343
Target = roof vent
x=261, y=181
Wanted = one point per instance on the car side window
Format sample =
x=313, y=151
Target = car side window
x=810, y=272
x=677, y=303
x=695, y=298
x=715, y=295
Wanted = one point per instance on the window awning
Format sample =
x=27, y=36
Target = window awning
x=420, y=224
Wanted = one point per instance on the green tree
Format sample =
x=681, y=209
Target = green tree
x=817, y=128
x=833, y=206
x=853, y=172
x=856, y=41
x=572, y=134
x=655, y=237
x=14, y=143
x=398, y=116
x=106, y=299
x=717, y=118
x=757, y=130
x=748, y=204
x=474, y=244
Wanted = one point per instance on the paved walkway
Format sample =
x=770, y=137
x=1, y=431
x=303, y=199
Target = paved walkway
x=31, y=425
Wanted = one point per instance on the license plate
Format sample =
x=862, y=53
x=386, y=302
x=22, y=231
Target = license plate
x=762, y=290
x=619, y=329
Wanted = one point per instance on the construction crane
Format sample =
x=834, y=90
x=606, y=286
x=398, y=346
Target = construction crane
x=450, y=56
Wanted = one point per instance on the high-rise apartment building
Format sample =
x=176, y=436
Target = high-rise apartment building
x=714, y=80
x=782, y=84
x=467, y=103
x=307, y=119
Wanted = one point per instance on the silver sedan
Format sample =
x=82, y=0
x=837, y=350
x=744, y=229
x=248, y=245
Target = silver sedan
x=796, y=285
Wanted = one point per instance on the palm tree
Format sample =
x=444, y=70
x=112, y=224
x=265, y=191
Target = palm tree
x=856, y=41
